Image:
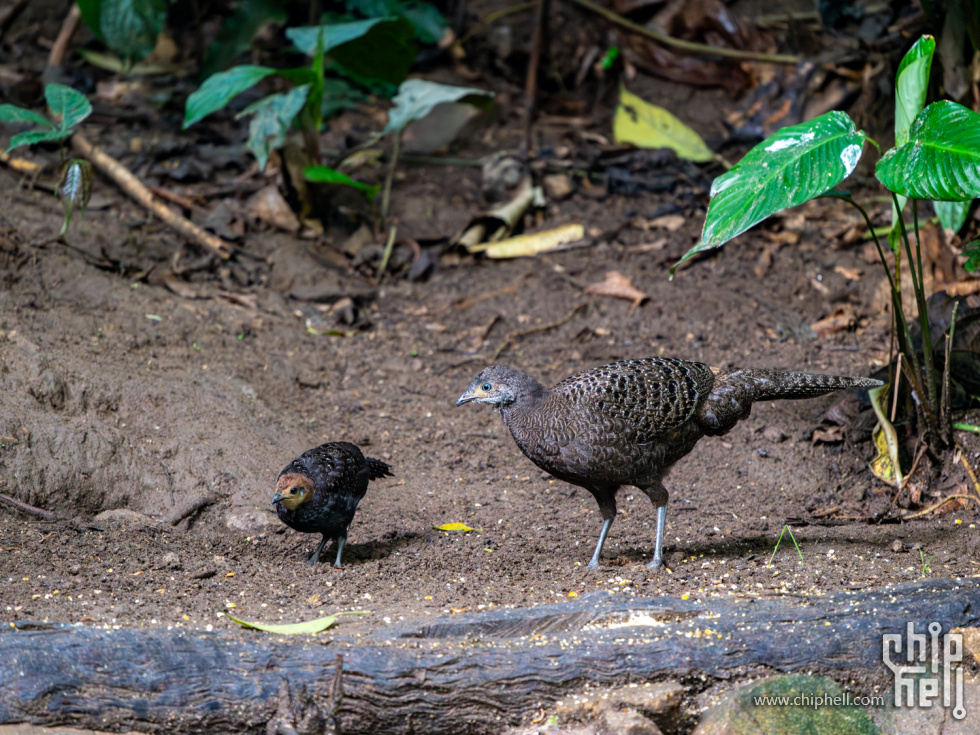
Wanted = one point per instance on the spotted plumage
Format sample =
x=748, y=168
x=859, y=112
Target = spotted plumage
x=628, y=422
x=318, y=492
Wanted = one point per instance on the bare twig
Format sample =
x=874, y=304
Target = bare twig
x=22, y=506
x=135, y=188
x=699, y=48
x=185, y=510
x=60, y=46
x=941, y=503
x=969, y=470
x=539, y=40
x=537, y=328
x=8, y=13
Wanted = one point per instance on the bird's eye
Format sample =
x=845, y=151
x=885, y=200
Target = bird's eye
x=486, y=387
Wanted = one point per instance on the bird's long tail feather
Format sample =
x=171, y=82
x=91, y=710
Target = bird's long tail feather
x=735, y=391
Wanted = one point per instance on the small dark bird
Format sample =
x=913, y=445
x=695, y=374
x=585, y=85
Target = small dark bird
x=318, y=492
x=628, y=422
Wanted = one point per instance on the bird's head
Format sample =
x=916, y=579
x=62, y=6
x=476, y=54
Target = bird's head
x=293, y=490
x=501, y=386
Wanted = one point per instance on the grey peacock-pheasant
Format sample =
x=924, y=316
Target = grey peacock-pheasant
x=628, y=422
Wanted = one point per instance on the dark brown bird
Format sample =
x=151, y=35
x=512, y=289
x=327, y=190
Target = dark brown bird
x=318, y=492
x=628, y=422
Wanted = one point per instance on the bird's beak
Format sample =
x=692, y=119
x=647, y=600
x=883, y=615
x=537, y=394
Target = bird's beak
x=468, y=396
x=277, y=498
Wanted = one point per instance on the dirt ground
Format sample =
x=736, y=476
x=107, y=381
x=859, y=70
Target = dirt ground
x=123, y=397
x=124, y=400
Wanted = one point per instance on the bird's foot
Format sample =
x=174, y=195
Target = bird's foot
x=313, y=560
x=656, y=563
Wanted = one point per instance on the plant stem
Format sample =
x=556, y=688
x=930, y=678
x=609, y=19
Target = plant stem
x=386, y=194
x=930, y=403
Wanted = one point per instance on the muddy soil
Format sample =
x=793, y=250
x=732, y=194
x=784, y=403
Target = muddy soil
x=124, y=403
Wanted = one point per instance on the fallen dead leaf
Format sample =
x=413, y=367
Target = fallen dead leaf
x=269, y=205
x=782, y=237
x=829, y=435
x=851, y=274
x=669, y=222
x=843, y=318
x=618, y=286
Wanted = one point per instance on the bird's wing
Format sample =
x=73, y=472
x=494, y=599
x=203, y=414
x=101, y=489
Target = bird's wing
x=652, y=396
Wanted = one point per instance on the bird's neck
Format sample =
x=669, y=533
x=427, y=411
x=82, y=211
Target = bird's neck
x=528, y=401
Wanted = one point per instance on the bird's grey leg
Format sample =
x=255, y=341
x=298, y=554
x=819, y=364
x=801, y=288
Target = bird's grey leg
x=316, y=554
x=340, y=548
x=659, y=543
x=607, y=506
x=658, y=496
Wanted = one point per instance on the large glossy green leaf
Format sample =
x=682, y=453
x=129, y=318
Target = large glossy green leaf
x=130, y=27
x=791, y=166
x=417, y=97
x=911, y=84
x=66, y=104
x=220, y=89
x=941, y=160
x=274, y=116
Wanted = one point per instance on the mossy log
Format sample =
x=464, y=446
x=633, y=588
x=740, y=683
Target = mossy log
x=464, y=674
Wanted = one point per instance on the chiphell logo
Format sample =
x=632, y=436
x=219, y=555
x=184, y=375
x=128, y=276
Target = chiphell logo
x=924, y=667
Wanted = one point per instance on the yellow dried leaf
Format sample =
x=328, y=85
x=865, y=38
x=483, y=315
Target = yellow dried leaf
x=461, y=527
x=644, y=125
x=531, y=244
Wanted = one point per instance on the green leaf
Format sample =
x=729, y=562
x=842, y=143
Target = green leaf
x=130, y=27
x=67, y=105
x=310, y=627
x=644, y=125
x=91, y=10
x=15, y=114
x=911, y=85
x=429, y=24
x=74, y=187
x=327, y=175
x=417, y=97
x=952, y=215
x=274, y=116
x=791, y=166
x=30, y=137
x=237, y=31
x=972, y=252
x=220, y=89
x=385, y=54
x=333, y=34
x=941, y=160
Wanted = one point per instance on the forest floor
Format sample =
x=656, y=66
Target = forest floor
x=127, y=397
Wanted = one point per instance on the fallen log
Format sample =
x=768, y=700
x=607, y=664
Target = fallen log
x=464, y=674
